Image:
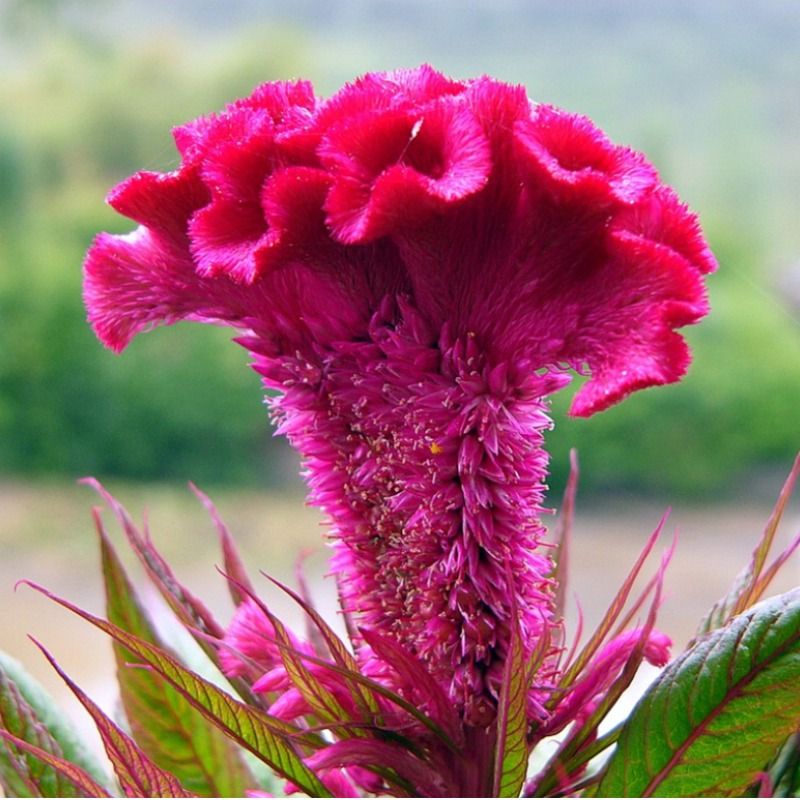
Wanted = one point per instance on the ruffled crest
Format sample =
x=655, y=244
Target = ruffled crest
x=416, y=264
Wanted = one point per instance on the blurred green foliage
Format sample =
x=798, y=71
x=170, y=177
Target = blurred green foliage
x=181, y=404
x=81, y=111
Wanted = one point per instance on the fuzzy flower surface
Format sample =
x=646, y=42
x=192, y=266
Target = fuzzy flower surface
x=416, y=263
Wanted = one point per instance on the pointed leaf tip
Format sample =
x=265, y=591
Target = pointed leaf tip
x=170, y=732
x=269, y=739
x=234, y=566
x=137, y=774
x=344, y=659
x=188, y=608
x=563, y=535
x=752, y=582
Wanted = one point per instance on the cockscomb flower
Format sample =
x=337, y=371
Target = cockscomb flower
x=416, y=264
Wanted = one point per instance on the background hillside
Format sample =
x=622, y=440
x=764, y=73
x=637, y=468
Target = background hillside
x=710, y=91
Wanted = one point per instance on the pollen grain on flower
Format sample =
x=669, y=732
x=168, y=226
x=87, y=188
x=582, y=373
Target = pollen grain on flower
x=416, y=263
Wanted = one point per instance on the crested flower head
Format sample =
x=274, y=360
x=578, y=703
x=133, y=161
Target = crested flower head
x=416, y=263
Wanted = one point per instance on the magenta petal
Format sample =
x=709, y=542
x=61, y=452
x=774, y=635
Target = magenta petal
x=236, y=152
x=394, y=168
x=163, y=202
x=289, y=706
x=252, y=635
x=420, y=85
x=339, y=784
x=292, y=201
x=662, y=218
x=571, y=157
x=228, y=239
x=288, y=104
x=226, y=233
x=498, y=107
x=133, y=282
x=276, y=680
x=615, y=381
x=335, y=780
x=633, y=344
x=398, y=89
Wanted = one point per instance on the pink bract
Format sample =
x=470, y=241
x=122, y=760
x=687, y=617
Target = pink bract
x=415, y=264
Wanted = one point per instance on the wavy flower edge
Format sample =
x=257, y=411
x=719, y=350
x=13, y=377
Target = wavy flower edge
x=415, y=264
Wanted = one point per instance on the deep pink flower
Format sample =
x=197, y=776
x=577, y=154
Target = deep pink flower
x=252, y=635
x=415, y=264
x=603, y=670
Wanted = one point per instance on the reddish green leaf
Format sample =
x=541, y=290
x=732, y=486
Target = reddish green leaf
x=186, y=606
x=170, y=731
x=271, y=740
x=29, y=714
x=192, y=613
x=313, y=634
x=581, y=743
x=393, y=697
x=361, y=694
x=753, y=581
x=420, y=684
x=422, y=778
x=563, y=535
x=511, y=753
x=718, y=714
x=137, y=774
x=231, y=559
x=72, y=776
x=314, y=692
x=611, y=616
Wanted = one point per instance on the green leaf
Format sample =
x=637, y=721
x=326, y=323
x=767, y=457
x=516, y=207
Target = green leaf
x=240, y=587
x=785, y=772
x=272, y=740
x=138, y=775
x=77, y=779
x=191, y=612
x=339, y=652
x=29, y=714
x=170, y=731
x=511, y=755
x=753, y=581
x=716, y=716
x=323, y=702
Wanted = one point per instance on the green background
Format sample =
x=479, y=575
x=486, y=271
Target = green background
x=89, y=91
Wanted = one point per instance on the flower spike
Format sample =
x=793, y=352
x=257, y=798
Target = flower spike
x=416, y=264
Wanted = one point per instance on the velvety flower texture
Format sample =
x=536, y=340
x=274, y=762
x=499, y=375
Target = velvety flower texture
x=415, y=264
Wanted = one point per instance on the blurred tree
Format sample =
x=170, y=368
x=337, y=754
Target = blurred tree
x=83, y=109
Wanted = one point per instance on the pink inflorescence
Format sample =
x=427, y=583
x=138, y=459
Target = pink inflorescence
x=416, y=263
